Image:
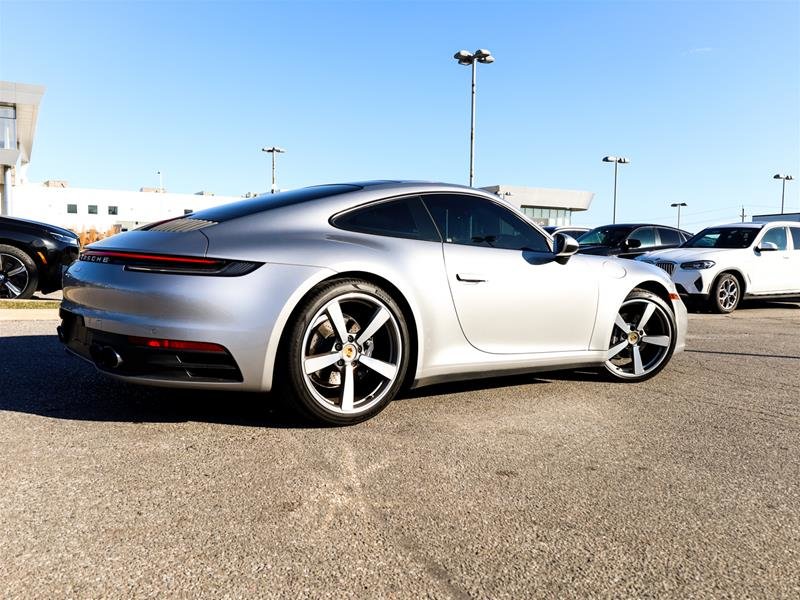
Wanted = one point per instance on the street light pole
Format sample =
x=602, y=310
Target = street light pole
x=160, y=182
x=678, y=204
x=472, y=58
x=785, y=178
x=617, y=160
x=273, y=151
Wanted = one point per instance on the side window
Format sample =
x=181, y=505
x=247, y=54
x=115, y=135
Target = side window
x=474, y=221
x=646, y=235
x=777, y=236
x=405, y=218
x=795, y=237
x=669, y=237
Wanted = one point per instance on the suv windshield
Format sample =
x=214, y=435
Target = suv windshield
x=604, y=236
x=723, y=237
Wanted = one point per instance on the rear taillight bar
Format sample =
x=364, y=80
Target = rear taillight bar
x=166, y=263
x=163, y=344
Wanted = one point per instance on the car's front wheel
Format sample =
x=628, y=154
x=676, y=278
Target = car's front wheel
x=18, y=274
x=725, y=294
x=643, y=337
x=347, y=352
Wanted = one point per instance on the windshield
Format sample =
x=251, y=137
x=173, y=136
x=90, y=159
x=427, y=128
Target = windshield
x=604, y=236
x=723, y=237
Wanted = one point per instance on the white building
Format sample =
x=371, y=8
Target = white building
x=83, y=209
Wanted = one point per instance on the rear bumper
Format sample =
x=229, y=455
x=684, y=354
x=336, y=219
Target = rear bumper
x=121, y=355
x=245, y=315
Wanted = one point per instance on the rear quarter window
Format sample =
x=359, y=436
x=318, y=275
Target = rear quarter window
x=402, y=217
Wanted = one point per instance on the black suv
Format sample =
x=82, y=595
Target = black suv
x=33, y=257
x=630, y=241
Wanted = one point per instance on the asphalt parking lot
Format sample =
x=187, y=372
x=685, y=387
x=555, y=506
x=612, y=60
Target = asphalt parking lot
x=558, y=484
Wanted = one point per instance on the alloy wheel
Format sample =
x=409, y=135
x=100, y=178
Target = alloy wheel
x=641, y=339
x=351, y=353
x=728, y=294
x=13, y=276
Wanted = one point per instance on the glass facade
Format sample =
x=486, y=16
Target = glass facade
x=548, y=216
x=8, y=127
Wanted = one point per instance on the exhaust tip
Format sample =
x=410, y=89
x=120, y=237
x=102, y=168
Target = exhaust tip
x=105, y=356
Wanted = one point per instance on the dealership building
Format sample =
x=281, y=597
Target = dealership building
x=83, y=209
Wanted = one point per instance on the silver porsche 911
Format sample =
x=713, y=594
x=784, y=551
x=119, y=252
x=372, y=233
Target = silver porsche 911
x=338, y=296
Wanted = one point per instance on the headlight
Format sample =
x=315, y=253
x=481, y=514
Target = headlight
x=64, y=238
x=698, y=264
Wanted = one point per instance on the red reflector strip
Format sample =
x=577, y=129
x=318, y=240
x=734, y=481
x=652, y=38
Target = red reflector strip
x=154, y=257
x=673, y=296
x=175, y=344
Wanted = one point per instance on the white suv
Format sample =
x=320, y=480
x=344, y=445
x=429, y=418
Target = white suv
x=722, y=265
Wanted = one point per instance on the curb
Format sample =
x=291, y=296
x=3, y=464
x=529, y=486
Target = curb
x=28, y=314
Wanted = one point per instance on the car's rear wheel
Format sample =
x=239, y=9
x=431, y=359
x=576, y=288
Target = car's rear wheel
x=347, y=352
x=725, y=293
x=18, y=274
x=643, y=337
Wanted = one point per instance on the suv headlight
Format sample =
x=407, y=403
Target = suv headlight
x=64, y=238
x=698, y=264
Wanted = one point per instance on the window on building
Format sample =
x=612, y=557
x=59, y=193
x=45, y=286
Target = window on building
x=8, y=127
x=405, y=217
x=72, y=209
x=548, y=216
x=113, y=210
x=93, y=209
x=472, y=221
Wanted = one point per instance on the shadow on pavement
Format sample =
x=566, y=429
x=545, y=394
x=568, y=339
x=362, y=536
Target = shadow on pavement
x=37, y=376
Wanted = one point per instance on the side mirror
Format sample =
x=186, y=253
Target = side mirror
x=564, y=246
x=767, y=247
x=631, y=243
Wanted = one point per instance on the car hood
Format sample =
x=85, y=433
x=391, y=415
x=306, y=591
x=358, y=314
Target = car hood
x=683, y=254
x=37, y=227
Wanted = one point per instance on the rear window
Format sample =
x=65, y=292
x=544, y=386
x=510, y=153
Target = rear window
x=259, y=204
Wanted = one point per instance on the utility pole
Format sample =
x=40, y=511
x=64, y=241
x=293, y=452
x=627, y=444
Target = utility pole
x=743, y=214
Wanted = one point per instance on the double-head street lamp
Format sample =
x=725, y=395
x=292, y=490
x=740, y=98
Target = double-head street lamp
x=472, y=58
x=274, y=150
x=783, y=191
x=617, y=160
x=678, y=204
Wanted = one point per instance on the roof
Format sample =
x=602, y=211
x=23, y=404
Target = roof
x=26, y=98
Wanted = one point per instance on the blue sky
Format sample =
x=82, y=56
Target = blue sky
x=704, y=98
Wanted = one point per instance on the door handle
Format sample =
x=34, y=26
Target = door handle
x=470, y=278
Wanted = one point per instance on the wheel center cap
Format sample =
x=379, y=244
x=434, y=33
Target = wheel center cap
x=349, y=352
x=633, y=337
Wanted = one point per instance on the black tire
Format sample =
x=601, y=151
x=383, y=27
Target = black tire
x=19, y=276
x=322, y=395
x=644, y=346
x=726, y=294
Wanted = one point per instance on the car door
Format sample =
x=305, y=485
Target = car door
x=794, y=259
x=771, y=272
x=509, y=292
